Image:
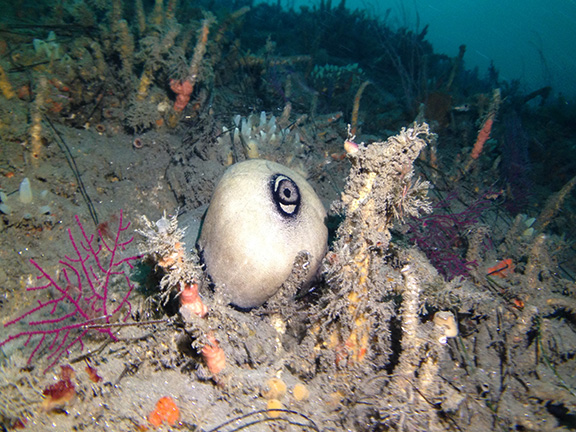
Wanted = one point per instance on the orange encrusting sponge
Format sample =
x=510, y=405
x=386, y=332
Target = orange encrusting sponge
x=165, y=411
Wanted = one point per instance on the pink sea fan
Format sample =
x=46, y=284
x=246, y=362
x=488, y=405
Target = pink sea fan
x=79, y=300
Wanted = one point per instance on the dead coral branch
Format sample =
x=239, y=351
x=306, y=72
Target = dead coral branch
x=554, y=204
x=379, y=188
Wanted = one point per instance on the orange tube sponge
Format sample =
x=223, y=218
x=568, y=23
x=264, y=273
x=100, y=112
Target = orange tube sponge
x=191, y=303
x=502, y=269
x=483, y=136
x=183, y=90
x=213, y=355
